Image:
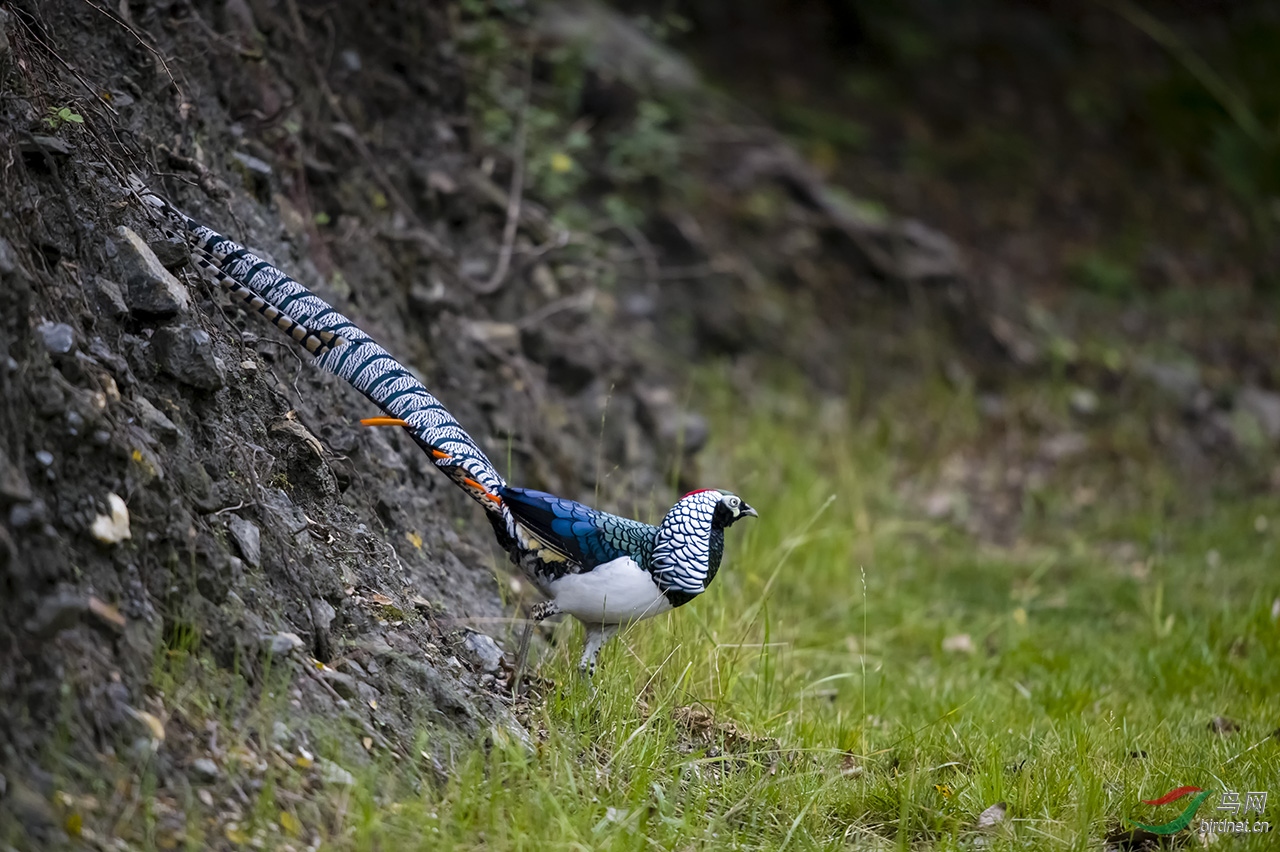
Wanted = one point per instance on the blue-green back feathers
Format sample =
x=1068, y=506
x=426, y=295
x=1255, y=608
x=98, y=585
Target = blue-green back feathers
x=581, y=534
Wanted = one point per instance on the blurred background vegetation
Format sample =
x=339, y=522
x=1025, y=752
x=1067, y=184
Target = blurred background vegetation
x=1152, y=124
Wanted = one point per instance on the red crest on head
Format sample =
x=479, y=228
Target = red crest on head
x=697, y=491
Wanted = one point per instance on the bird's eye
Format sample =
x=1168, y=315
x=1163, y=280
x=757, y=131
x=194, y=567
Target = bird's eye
x=732, y=502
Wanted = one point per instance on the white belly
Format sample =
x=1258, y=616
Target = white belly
x=613, y=593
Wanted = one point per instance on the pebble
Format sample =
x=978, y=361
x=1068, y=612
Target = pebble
x=39, y=143
x=58, y=337
x=152, y=291
x=248, y=539
x=332, y=773
x=992, y=816
x=256, y=167
x=481, y=652
x=155, y=419
x=186, y=353
x=113, y=528
x=352, y=668
x=501, y=334
x=1084, y=402
x=172, y=254
x=14, y=487
x=24, y=515
x=44, y=457
x=282, y=643
x=108, y=297
x=343, y=684
x=205, y=769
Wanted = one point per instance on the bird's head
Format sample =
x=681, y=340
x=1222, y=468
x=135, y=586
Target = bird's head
x=727, y=508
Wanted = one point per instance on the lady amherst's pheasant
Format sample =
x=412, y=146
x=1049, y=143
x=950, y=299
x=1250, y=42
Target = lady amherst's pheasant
x=604, y=570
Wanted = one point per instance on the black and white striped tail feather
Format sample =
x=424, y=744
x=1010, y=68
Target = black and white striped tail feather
x=316, y=342
x=343, y=349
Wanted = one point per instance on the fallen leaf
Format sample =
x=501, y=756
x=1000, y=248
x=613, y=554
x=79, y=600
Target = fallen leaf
x=152, y=723
x=106, y=613
x=232, y=832
x=381, y=599
x=561, y=162
x=290, y=823
x=414, y=539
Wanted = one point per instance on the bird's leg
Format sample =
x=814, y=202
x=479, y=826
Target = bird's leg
x=543, y=610
x=597, y=635
x=539, y=612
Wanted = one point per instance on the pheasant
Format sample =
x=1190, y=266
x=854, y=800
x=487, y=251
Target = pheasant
x=607, y=571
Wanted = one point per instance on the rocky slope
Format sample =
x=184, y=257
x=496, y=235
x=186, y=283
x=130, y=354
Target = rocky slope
x=176, y=481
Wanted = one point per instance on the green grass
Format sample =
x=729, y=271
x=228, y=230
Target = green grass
x=806, y=701
x=839, y=720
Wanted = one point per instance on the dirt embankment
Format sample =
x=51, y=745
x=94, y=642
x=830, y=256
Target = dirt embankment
x=251, y=511
x=174, y=478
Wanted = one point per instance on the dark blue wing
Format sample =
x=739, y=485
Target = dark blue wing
x=577, y=532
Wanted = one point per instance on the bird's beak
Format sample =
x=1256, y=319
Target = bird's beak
x=748, y=512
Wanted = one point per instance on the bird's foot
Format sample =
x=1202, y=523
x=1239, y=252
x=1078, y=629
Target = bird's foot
x=544, y=610
x=597, y=635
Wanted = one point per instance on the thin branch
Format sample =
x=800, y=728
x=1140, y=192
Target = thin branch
x=515, y=194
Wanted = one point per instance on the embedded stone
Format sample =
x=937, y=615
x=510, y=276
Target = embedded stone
x=152, y=291
x=186, y=353
x=155, y=419
x=481, y=652
x=247, y=538
x=58, y=337
x=107, y=297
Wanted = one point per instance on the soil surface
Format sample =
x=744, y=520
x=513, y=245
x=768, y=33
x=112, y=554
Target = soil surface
x=175, y=478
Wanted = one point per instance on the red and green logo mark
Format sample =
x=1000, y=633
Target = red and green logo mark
x=1183, y=819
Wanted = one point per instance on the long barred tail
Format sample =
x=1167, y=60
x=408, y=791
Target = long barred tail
x=341, y=348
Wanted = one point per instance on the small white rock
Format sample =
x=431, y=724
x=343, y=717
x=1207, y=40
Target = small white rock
x=113, y=528
x=283, y=643
x=961, y=643
x=205, y=768
x=332, y=773
x=992, y=816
